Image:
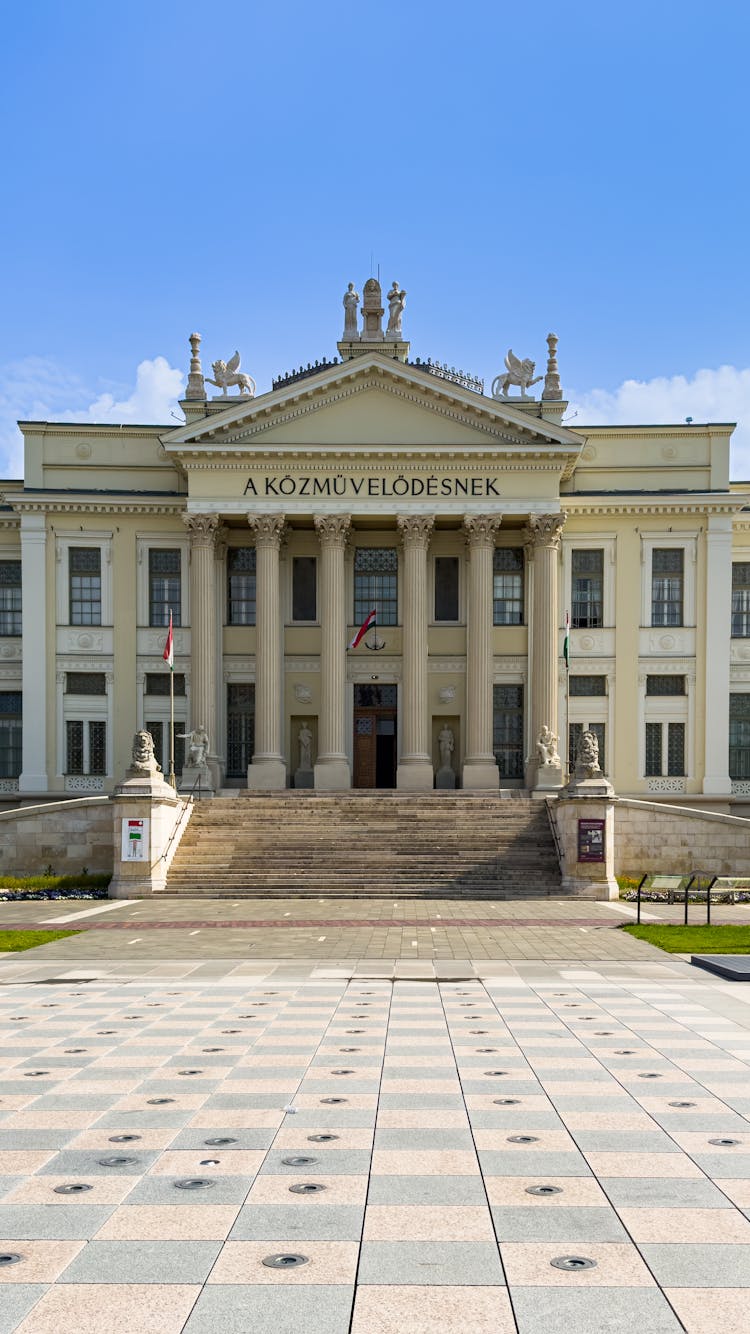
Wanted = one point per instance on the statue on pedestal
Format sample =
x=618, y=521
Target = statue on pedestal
x=446, y=744
x=546, y=747
x=143, y=759
x=351, y=303
x=305, y=747
x=198, y=747
x=228, y=373
x=587, y=756
x=396, y=303
x=517, y=372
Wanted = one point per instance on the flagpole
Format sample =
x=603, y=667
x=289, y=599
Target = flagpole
x=567, y=695
x=172, y=779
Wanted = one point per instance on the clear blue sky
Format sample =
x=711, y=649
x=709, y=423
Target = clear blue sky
x=580, y=166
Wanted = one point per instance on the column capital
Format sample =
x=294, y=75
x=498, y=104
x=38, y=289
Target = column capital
x=544, y=530
x=415, y=529
x=333, y=529
x=269, y=529
x=220, y=546
x=202, y=528
x=480, y=529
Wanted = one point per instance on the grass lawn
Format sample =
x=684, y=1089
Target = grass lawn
x=695, y=939
x=13, y=941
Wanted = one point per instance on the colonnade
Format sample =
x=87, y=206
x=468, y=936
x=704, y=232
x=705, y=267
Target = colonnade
x=541, y=537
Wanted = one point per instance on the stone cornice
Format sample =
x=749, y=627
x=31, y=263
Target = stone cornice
x=58, y=505
x=698, y=504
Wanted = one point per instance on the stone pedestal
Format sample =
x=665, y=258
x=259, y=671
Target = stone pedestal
x=445, y=778
x=146, y=797
x=549, y=779
x=582, y=878
x=304, y=778
x=196, y=780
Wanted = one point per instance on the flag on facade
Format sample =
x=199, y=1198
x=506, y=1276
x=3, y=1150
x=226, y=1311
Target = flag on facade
x=566, y=642
x=365, y=626
x=168, y=653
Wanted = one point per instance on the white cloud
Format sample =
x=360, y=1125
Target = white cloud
x=721, y=395
x=39, y=389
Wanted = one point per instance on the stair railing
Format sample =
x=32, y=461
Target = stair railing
x=555, y=835
x=189, y=802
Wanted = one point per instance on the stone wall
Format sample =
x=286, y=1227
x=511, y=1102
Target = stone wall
x=651, y=837
x=66, y=835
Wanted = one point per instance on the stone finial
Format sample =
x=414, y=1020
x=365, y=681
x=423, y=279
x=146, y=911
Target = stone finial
x=196, y=387
x=372, y=311
x=552, y=386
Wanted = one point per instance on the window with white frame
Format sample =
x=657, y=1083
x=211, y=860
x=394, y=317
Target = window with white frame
x=665, y=750
x=376, y=584
x=507, y=586
x=85, y=585
x=164, y=586
x=85, y=746
x=587, y=589
x=667, y=586
x=740, y=599
x=739, y=737
x=11, y=733
x=10, y=597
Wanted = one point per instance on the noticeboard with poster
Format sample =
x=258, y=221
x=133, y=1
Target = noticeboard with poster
x=591, y=840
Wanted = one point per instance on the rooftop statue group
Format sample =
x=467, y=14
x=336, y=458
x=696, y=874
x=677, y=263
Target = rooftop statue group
x=372, y=313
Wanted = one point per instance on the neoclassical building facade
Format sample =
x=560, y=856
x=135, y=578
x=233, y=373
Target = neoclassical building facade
x=271, y=525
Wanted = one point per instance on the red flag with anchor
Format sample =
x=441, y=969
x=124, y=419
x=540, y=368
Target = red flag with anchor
x=366, y=625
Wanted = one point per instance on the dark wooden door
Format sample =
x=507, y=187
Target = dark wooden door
x=374, y=748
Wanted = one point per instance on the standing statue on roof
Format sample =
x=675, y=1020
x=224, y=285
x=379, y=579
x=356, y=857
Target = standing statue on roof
x=396, y=303
x=351, y=303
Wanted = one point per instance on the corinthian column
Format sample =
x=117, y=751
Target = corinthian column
x=268, y=769
x=542, y=537
x=415, y=763
x=203, y=529
x=480, y=768
x=331, y=765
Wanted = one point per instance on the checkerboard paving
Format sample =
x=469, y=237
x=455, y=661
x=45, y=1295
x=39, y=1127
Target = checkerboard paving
x=160, y=1135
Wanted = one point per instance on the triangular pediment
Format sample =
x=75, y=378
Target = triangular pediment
x=368, y=403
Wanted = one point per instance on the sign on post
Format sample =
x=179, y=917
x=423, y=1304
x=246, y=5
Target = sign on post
x=135, y=839
x=591, y=840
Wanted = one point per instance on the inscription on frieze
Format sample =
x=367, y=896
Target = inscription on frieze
x=353, y=485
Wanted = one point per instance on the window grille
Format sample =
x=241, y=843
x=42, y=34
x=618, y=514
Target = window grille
x=676, y=750
x=653, y=750
x=74, y=746
x=97, y=748
x=586, y=611
x=240, y=728
x=376, y=584
x=85, y=565
x=446, y=588
x=157, y=683
x=85, y=683
x=665, y=685
x=11, y=733
x=241, y=585
x=375, y=697
x=740, y=600
x=165, y=586
x=10, y=597
x=507, y=586
x=587, y=685
x=667, y=585
x=507, y=730
x=739, y=737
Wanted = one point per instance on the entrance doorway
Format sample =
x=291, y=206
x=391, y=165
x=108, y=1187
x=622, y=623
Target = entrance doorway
x=240, y=728
x=375, y=732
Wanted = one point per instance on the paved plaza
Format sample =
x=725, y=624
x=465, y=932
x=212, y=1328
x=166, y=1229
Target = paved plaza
x=558, y=1093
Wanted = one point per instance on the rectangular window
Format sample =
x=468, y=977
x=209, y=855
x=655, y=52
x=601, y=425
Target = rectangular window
x=160, y=735
x=575, y=731
x=376, y=584
x=676, y=750
x=665, y=685
x=304, y=588
x=77, y=733
x=10, y=733
x=507, y=586
x=157, y=683
x=507, y=730
x=85, y=564
x=653, y=750
x=667, y=585
x=10, y=597
x=97, y=748
x=240, y=728
x=740, y=600
x=446, y=588
x=739, y=737
x=85, y=683
x=164, y=586
x=241, y=586
x=74, y=746
x=587, y=685
x=587, y=606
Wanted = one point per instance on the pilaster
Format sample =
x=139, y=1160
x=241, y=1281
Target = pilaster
x=717, y=640
x=480, y=767
x=33, y=776
x=415, y=771
x=268, y=768
x=331, y=765
x=542, y=538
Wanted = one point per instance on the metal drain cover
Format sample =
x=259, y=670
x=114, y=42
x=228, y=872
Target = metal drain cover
x=725, y=1142
x=307, y=1188
x=193, y=1183
x=10, y=1258
x=298, y=1160
x=115, y=1161
x=523, y=1139
x=72, y=1188
x=544, y=1190
x=123, y=1139
x=219, y=1140
x=321, y=1139
x=681, y=1104
x=333, y=1101
x=573, y=1262
x=285, y=1260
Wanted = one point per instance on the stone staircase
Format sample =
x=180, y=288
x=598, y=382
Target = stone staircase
x=366, y=845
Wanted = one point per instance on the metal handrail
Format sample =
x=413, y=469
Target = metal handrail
x=189, y=801
x=555, y=834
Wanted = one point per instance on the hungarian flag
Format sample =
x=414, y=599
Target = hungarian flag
x=566, y=642
x=168, y=654
x=364, y=627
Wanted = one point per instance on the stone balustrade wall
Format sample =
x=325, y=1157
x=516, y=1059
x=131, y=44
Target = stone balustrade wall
x=66, y=835
x=651, y=837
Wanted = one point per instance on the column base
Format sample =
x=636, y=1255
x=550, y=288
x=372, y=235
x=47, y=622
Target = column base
x=719, y=786
x=32, y=783
x=480, y=774
x=267, y=775
x=332, y=775
x=416, y=776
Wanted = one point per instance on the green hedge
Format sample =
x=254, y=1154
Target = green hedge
x=31, y=882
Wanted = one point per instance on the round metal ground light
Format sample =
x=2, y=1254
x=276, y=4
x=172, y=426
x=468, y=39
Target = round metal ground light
x=122, y=1139
x=506, y=1102
x=679, y=1103
x=725, y=1142
x=307, y=1188
x=333, y=1102
x=10, y=1258
x=299, y=1160
x=116, y=1161
x=285, y=1260
x=72, y=1188
x=523, y=1139
x=573, y=1262
x=544, y=1190
x=194, y=1183
x=321, y=1139
x=218, y=1141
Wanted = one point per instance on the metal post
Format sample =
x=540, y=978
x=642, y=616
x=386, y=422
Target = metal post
x=711, y=884
x=640, y=887
x=687, y=887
